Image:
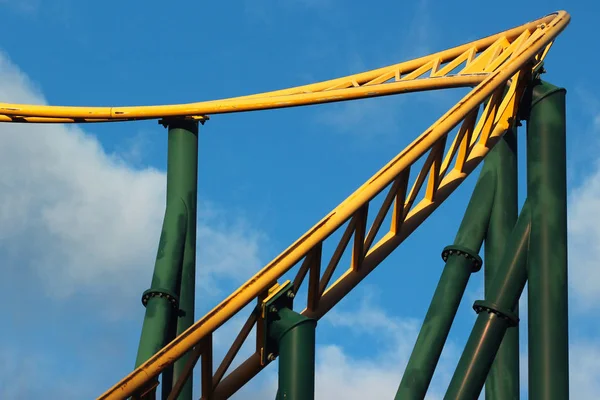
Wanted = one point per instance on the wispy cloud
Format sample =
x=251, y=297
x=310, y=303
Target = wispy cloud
x=89, y=222
x=584, y=202
x=584, y=369
x=367, y=118
x=341, y=373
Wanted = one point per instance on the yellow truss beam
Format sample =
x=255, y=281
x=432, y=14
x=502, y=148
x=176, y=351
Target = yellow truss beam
x=500, y=67
x=443, y=69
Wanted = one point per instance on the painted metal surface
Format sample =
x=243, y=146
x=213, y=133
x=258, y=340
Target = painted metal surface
x=494, y=315
x=548, y=297
x=295, y=337
x=499, y=68
x=495, y=53
x=170, y=300
x=506, y=74
x=461, y=261
x=503, y=380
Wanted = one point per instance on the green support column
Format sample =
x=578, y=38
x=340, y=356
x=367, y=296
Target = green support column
x=495, y=316
x=462, y=260
x=170, y=300
x=503, y=380
x=548, y=294
x=295, y=338
x=183, y=138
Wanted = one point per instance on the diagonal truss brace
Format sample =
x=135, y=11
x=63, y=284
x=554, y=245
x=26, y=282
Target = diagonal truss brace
x=482, y=117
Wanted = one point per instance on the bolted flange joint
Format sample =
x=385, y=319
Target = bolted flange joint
x=469, y=254
x=483, y=305
x=159, y=292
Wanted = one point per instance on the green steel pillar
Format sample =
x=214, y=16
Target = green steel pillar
x=295, y=338
x=494, y=316
x=183, y=136
x=503, y=380
x=461, y=261
x=170, y=300
x=547, y=189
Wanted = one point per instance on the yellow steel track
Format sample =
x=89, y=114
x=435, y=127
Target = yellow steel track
x=499, y=68
x=394, y=79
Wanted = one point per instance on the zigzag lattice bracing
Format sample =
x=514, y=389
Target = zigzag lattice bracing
x=463, y=66
x=499, y=67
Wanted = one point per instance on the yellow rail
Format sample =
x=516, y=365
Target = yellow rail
x=500, y=66
x=394, y=79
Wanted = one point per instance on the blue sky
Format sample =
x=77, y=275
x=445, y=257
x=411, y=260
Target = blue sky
x=82, y=205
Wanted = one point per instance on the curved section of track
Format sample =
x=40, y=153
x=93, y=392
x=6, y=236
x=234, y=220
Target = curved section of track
x=394, y=79
x=53, y=114
x=499, y=67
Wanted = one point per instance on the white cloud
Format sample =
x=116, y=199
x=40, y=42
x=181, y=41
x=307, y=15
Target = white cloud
x=584, y=241
x=390, y=340
x=228, y=248
x=83, y=221
x=584, y=370
x=341, y=373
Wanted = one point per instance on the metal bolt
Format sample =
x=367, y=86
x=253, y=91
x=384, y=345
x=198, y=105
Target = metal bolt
x=273, y=309
x=271, y=356
x=291, y=295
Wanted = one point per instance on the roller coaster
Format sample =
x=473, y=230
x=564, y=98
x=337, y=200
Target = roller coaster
x=503, y=72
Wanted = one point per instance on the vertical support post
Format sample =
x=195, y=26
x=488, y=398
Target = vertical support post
x=183, y=139
x=494, y=316
x=170, y=300
x=461, y=261
x=295, y=338
x=503, y=380
x=548, y=291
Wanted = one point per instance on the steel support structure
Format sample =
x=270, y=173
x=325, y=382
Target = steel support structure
x=548, y=294
x=294, y=335
x=494, y=316
x=498, y=69
x=170, y=300
x=461, y=260
x=535, y=246
x=503, y=380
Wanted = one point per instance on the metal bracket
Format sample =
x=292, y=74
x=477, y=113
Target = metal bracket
x=163, y=293
x=467, y=253
x=280, y=296
x=538, y=70
x=484, y=305
x=196, y=118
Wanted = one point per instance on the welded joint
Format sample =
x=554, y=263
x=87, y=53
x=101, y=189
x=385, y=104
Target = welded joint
x=492, y=308
x=454, y=250
x=161, y=293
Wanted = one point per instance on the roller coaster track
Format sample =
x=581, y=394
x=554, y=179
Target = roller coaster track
x=498, y=68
